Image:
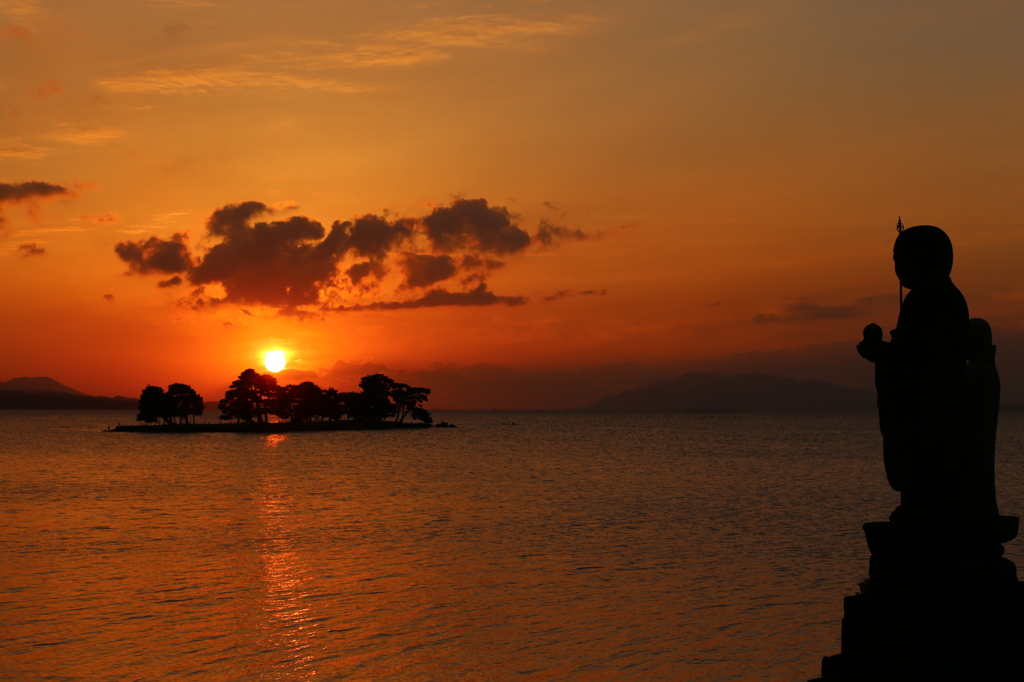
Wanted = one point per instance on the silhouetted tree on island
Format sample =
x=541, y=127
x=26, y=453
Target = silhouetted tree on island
x=376, y=404
x=179, y=404
x=183, y=403
x=252, y=397
x=307, y=402
x=407, y=401
x=332, y=407
x=151, y=404
x=350, y=405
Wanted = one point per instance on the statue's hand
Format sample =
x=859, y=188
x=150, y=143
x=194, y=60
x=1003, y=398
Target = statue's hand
x=871, y=350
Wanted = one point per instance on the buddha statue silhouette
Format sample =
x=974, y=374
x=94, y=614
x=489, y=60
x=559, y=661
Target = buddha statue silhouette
x=938, y=436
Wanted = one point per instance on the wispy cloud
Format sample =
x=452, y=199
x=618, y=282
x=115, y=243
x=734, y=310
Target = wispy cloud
x=486, y=30
x=432, y=40
x=36, y=231
x=181, y=3
x=1013, y=296
x=16, y=149
x=33, y=249
x=436, y=40
x=803, y=310
x=85, y=134
x=480, y=296
x=572, y=292
x=19, y=8
x=103, y=219
x=170, y=82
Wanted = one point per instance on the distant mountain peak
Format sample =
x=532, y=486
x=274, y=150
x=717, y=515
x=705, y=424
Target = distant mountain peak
x=37, y=385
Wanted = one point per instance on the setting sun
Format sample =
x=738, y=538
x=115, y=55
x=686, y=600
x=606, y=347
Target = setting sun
x=274, y=360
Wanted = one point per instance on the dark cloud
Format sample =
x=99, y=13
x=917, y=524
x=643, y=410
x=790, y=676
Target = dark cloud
x=32, y=249
x=422, y=270
x=345, y=376
x=104, y=219
x=18, y=192
x=374, y=237
x=472, y=225
x=166, y=256
x=26, y=191
x=295, y=376
x=476, y=269
x=803, y=310
x=571, y=292
x=471, y=262
x=550, y=234
x=368, y=271
x=294, y=263
x=283, y=263
x=172, y=282
x=235, y=217
x=479, y=296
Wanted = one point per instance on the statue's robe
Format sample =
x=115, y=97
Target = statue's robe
x=921, y=399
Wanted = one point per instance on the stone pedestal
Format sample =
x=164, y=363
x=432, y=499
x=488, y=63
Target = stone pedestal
x=941, y=603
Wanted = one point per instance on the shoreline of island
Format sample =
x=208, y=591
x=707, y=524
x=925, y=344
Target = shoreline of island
x=268, y=427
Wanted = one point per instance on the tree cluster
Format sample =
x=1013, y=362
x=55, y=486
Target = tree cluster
x=179, y=404
x=255, y=397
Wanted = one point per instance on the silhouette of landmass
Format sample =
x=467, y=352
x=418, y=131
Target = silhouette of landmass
x=51, y=400
x=44, y=393
x=37, y=385
x=754, y=392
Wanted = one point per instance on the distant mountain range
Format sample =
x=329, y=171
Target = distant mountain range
x=754, y=392
x=37, y=385
x=44, y=393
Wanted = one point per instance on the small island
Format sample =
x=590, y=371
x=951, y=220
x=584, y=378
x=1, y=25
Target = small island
x=257, y=403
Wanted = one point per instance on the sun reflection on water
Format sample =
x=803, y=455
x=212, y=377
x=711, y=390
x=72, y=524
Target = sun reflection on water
x=290, y=624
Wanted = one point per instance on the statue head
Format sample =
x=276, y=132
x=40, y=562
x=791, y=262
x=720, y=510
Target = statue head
x=923, y=255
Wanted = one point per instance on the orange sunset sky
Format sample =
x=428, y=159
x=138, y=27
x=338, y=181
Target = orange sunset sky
x=488, y=189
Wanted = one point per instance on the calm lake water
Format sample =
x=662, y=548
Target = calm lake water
x=520, y=546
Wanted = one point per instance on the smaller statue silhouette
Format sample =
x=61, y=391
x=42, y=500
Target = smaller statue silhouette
x=978, y=494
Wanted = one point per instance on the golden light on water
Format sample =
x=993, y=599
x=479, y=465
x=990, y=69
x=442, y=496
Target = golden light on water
x=274, y=360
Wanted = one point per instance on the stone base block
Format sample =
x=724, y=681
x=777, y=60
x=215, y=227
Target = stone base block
x=941, y=603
